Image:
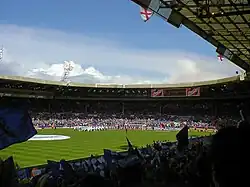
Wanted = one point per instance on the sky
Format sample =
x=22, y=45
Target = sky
x=105, y=41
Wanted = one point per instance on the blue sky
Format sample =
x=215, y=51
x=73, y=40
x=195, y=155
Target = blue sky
x=113, y=23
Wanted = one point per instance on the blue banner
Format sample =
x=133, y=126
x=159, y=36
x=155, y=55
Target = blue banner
x=15, y=126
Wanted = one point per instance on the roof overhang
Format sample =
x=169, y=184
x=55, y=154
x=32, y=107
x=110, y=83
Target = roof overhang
x=223, y=23
x=37, y=84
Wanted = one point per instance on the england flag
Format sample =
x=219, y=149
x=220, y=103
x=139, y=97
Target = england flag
x=146, y=14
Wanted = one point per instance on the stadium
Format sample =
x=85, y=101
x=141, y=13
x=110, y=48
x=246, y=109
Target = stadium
x=185, y=134
x=111, y=102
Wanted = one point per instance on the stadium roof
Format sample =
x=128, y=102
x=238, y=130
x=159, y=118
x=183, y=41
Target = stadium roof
x=5, y=80
x=223, y=23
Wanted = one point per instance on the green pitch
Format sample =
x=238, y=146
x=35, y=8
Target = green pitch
x=80, y=145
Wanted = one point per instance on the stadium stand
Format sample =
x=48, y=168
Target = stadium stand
x=206, y=105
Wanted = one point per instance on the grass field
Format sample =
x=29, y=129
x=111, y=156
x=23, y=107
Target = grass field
x=80, y=145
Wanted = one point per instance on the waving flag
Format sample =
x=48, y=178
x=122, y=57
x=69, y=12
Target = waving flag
x=146, y=14
x=130, y=146
x=8, y=176
x=148, y=8
x=109, y=156
x=182, y=138
x=220, y=57
x=139, y=154
x=15, y=126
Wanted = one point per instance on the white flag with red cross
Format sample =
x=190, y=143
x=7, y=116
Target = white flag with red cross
x=220, y=57
x=146, y=14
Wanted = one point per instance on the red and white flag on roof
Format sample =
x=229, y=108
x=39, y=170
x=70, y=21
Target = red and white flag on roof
x=220, y=57
x=146, y=14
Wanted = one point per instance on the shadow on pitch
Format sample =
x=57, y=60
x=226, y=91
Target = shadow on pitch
x=125, y=147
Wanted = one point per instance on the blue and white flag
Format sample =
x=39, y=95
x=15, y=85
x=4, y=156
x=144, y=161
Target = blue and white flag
x=111, y=156
x=15, y=126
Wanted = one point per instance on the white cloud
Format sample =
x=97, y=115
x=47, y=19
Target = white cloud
x=40, y=53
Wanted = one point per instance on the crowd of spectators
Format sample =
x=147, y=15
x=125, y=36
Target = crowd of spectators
x=114, y=121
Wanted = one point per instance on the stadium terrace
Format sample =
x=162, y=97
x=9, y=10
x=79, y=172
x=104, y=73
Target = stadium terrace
x=76, y=122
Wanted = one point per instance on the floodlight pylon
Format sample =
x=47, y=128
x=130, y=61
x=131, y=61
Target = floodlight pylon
x=1, y=53
x=67, y=68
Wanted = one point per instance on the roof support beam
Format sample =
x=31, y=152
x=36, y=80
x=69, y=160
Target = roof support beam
x=217, y=15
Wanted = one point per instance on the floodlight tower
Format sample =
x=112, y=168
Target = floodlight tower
x=67, y=68
x=1, y=53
